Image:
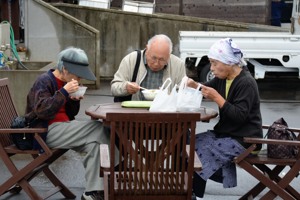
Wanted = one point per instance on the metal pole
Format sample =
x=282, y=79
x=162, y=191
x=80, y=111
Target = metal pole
x=9, y=10
x=180, y=11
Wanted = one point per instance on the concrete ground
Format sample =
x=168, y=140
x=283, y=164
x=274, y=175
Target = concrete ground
x=71, y=171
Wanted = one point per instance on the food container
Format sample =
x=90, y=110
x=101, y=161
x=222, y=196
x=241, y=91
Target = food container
x=150, y=94
x=79, y=93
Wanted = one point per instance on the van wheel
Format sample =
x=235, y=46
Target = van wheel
x=206, y=74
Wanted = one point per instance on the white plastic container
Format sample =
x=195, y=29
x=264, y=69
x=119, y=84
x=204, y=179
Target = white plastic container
x=95, y=3
x=79, y=93
x=138, y=6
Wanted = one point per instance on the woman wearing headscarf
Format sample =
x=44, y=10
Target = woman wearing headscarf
x=236, y=93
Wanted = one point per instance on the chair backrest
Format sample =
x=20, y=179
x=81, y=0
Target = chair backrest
x=152, y=150
x=7, y=111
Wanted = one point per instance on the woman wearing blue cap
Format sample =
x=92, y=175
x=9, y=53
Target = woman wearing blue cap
x=50, y=102
x=235, y=92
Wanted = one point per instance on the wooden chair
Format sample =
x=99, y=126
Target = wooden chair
x=20, y=177
x=260, y=167
x=154, y=156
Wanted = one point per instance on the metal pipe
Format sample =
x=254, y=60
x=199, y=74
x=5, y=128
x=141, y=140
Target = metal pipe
x=9, y=10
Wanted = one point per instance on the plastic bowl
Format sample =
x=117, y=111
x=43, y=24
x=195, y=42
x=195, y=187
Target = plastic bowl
x=150, y=94
x=79, y=93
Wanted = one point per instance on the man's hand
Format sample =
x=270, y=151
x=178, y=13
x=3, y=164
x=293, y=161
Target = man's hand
x=132, y=87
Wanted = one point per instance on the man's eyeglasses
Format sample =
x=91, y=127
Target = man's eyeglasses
x=161, y=61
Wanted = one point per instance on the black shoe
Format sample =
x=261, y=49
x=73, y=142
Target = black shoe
x=93, y=195
x=198, y=185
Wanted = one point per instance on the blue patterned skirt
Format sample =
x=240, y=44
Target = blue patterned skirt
x=216, y=156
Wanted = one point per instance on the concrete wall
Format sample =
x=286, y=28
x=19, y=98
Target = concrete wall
x=122, y=32
x=51, y=28
x=48, y=30
x=20, y=81
x=250, y=11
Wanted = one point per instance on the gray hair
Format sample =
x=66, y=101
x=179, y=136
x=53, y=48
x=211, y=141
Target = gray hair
x=161, y=37
x=71, y=53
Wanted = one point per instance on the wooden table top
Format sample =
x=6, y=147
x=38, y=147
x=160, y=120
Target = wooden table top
x=98, y=111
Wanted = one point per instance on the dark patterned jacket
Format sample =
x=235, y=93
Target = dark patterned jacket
x=44, y=100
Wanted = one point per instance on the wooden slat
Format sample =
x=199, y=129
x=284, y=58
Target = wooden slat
x=41, y=161
x=153, y=150
x=268, y=177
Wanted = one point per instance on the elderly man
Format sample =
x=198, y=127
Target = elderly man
x=155, y=65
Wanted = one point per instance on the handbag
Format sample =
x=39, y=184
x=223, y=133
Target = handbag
x=23, y=141
x=136, y=68
x=279, y=130
x=163, y=101
x=188, y=99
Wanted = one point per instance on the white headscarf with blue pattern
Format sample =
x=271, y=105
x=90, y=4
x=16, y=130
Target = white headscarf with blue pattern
x=227, y=52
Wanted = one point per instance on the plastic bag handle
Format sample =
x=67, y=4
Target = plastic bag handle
x=166, y=82
x=183, y=83
x=199, y=86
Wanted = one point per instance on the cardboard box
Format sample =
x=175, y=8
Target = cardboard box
x=138, y=6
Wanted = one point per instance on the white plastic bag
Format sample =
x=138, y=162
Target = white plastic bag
x=188, y=99
x=163, y=101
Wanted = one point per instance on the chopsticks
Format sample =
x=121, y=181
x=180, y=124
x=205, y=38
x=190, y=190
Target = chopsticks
x=140, y=86
x=143, y=88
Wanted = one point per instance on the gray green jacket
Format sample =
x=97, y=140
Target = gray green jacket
x=174, y=70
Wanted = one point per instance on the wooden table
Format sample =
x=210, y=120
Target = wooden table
x=155, y=154
x=99, y=111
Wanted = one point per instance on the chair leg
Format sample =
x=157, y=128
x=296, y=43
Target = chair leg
x=21, y=178
x=293, y=192
x=106, y=185
x=18, y=176
x=56, y=182
x=258, y=188
x=285, y=181
x=266, y=181
x=53, y=178
x=274, y=174
x=29, y=190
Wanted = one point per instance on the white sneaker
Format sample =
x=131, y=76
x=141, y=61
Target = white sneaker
x=97, y=195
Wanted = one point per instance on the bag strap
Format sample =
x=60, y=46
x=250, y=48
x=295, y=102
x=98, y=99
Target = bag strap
x=183, y=84
x=198, y=87
x=136, y=67
x=291, y=134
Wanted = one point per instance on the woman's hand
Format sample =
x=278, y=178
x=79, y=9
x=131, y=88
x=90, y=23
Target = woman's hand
x=76, y=98
x=191, y=83
x=72, y=86
x=212, y=94
x=208, y=92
